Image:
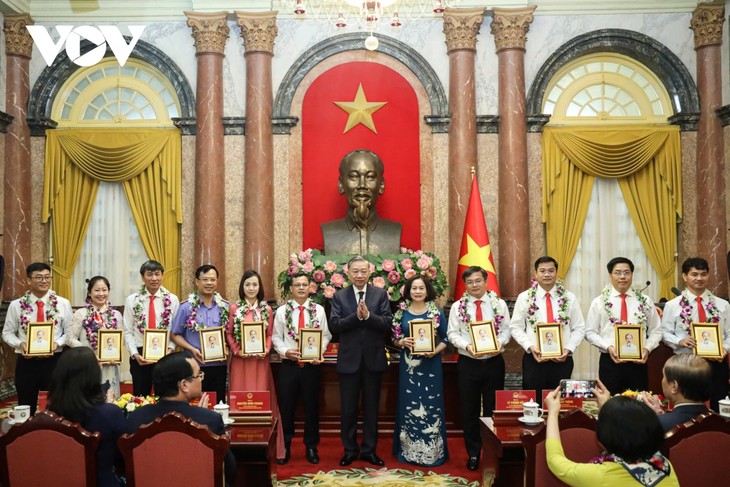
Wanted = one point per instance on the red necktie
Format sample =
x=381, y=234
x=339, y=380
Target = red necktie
x=152, y=318
x=624, y=310
x=479, y=315
x=701, y=315
x=549, y=308
x=301, y=317
x=41, y=316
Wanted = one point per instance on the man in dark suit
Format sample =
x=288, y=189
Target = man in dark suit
x=178, y=380
x=361, y=317
x=687, y=382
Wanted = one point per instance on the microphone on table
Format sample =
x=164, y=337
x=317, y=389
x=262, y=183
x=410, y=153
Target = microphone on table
x=676, y=291
x=648, y=283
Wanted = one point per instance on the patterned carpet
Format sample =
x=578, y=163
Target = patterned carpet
x=380, y=477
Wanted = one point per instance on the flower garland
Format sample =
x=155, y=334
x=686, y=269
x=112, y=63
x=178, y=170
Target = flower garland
x=292, y=329
x=563, y=317
x=640, y=316
x=109, y=321
x=262, y=309
x=195, y=301
x=432, y=313
x=26, y=309
x=686, y=314
x=493, y=300
x=140, y=318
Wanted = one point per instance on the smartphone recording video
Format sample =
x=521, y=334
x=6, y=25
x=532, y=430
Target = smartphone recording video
x=577, y=388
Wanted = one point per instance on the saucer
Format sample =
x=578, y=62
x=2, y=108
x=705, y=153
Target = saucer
x=529, y=421
x=229, y=421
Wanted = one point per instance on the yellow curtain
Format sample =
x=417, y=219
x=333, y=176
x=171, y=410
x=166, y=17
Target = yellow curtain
x=146, y=161
x=647, y=163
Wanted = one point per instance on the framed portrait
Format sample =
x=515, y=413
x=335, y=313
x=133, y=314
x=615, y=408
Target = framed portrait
x=154, y=344
x=549, y=339
x=109, y=348
x=253, y=334
x=423, y=338
x=629, y=342
x=39, y=339
x=212, y=344
x=483, y=337
x=310, y=344
x=707, y=336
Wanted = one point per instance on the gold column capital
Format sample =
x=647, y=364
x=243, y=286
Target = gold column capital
x=706, y=23
x=461, y=27
x=510, y=25
x=258, y=30
x=210, y=31
x=18, y=41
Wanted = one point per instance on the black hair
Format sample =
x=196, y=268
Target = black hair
x=151, y=266
x=546, y=259
x=692, y=374
x=619, y=260
x=36, y=267
x=629, y=429
x=697, y=262
x=75, y=386
x=205, y=268
x=473, y=270
x=169, y=371
x=430, y=291
x=247, y=275
x=90, y=283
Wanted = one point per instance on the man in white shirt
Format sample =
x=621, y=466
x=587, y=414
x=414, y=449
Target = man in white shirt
x=619, y=304
x=153, y=307
x=546, y=301
x=697, y=304
x=479, y=376
x=40, y=303
x=297, y=379
x=629, y=347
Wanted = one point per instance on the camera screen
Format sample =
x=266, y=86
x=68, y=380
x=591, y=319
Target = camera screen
x=577, y=388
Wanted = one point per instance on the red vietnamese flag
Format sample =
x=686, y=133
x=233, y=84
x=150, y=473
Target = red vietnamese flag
x=475, y=248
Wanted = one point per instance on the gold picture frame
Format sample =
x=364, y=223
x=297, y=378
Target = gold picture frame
x=422, y=332
x=483, y=337
x=109, y=345
x=707, y=338
x=310, y=344
x=629, y=341
x=253, y=337
x=212, y=344
x=549, y=339
x=39, y=339
x=154, y=344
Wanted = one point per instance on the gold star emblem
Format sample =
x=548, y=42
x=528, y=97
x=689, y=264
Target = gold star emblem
x=360, y=110
x=477, y=255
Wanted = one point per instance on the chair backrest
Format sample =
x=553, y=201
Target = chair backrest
x=699, y=449
x=48, y=450
x=578, y=436
x=174, y=450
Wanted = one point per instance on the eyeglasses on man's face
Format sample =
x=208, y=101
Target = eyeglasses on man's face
x=42, y=278
x=200, y=375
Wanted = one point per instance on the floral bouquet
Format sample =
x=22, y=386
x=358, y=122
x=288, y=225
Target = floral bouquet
x=655, y=401
x=328, y=273
x=128, y=403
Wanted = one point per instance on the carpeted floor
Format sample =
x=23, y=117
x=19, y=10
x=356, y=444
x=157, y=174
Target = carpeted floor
x=356, y=477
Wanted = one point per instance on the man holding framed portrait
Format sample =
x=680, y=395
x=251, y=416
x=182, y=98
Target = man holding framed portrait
x=629, y=342
x=698, y=305
x=548, y=358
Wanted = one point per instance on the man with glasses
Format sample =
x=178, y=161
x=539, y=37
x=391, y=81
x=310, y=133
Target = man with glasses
x=619, y=304
x=479, y=375
x=39, y=304
x=179, y=380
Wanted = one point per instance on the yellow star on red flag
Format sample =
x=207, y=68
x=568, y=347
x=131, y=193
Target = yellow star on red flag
x=477, y=255
x=360, y=110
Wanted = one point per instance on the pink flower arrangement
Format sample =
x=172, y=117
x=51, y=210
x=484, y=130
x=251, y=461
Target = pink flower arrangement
x=379, y=282
x=394, y=277
x=406, y=264
x=318, y=275
x=409, y=273
x=388, y=265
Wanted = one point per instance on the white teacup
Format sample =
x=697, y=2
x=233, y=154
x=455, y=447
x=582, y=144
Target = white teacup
x=531, y=411
x=724, y=406
x=222, y=409
x=19, y=414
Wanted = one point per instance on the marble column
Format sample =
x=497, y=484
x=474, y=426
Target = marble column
x=510, y=27
x=461, y=27
x=16, y=207
x=258, y=30
x=707, y=21
x=210, y=31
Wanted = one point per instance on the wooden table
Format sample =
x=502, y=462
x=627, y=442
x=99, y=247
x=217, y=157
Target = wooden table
x=255, y=450
x=502, y=451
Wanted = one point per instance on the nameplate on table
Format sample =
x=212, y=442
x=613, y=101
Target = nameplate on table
x=513, y=400
x=42, y=400
x=253, y=434
x=212, y=400
x=249, y=401
x=331, y=351
x=568, y=403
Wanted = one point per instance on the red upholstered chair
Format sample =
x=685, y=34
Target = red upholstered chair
x=699, y=450
x=578, y=436
x=174, y=450
x=48, y=450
